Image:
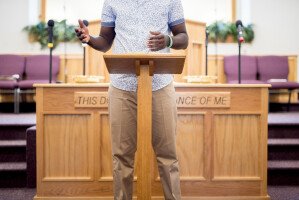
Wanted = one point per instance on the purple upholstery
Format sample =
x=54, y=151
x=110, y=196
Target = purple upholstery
x=12, y=64
x=273, y=67
x=34, y=68
x=37, y=67
x=246, y=82
x=248, y=68
x=284, y=85
x=8, y=85
x=28, y=84
x=37, y=70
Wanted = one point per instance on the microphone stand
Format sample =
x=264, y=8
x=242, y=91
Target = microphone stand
x=50, y=45
x=239, y=61
x=84, y=55
x=207, y=40
x=85, y=22
x=239, y=26
x=50, y=73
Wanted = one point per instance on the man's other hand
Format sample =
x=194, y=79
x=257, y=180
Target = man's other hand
x=157, y=41
x=82, y=32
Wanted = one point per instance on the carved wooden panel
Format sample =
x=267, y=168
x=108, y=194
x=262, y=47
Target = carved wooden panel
x=236, y=146
x=222, y=150
x=105, y=161
x=190, y=145
x=68, y=147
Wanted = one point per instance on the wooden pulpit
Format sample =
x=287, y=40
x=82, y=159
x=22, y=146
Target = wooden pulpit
x=221, y=141
x=144, y=66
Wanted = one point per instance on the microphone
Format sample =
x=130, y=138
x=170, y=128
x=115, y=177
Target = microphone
x=50, y=32
x=239, y=26
x=50, y=45
x=85, y=22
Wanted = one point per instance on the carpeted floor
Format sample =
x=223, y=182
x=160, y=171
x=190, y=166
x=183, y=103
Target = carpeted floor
x=283, y=118
x=276, y=193
x=283, y=193
x=17, y=194
x=17, y=119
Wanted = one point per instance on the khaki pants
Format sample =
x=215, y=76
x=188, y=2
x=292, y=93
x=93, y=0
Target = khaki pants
x=123, y=116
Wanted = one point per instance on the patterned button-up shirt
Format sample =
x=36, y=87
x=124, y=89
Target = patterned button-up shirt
x=133, y=20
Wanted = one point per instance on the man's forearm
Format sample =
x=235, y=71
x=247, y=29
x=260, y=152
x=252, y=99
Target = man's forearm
x=180, y=41
x=99, y=43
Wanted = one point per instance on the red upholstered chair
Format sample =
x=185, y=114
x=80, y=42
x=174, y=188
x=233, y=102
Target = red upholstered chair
x=248, y=69
x=275, y=70
x=37, y=71
x=11, y=69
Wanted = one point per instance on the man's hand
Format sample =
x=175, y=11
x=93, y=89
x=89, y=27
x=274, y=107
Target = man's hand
x=157, y=41
x=82, y=32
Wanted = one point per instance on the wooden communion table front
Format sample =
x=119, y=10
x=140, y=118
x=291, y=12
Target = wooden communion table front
x=221, y=142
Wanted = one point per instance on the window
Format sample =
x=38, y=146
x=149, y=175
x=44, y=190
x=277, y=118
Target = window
x=72, y=10
x=208, y=10
x=200, y=10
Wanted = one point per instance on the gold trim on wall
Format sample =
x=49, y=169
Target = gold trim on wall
x=42, y=15
x=234, y=10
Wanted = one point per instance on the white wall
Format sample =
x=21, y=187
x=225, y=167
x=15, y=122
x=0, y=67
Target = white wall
x=276, y=30
x=24, y=12
x=205, y=10
x=74, y=9
x=276, y=26
x=14, y=15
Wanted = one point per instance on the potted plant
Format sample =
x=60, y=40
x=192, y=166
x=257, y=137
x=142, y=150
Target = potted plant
x=62, y=32
x=220, y=31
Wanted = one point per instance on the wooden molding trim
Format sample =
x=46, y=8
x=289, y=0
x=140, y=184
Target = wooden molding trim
x=234, y=10
x=42, y=15
x=195, y=22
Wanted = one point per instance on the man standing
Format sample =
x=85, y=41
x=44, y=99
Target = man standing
x=141, y=26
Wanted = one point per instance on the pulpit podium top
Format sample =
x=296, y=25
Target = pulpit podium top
x=161, y=63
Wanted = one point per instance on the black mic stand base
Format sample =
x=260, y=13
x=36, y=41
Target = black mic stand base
x=239, y=63
x=50, y=71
